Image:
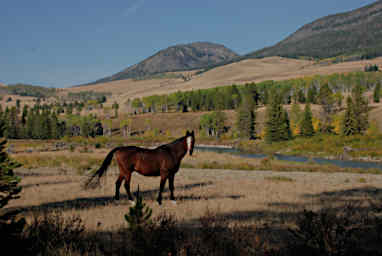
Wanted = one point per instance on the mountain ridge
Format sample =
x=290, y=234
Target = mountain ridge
x=181, y=57
x=357, y=31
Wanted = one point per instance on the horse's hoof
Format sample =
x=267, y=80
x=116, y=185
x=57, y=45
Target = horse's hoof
x=132, y=202
x=173, y=202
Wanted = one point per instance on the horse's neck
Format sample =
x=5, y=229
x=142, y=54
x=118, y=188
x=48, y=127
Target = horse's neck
x=178, y=149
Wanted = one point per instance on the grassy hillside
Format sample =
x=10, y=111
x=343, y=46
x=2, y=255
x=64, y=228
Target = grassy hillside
x=356, y=33
x=176, y=58
x=246, y=71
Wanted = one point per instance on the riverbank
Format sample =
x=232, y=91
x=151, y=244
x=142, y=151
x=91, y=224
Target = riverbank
x=366, y=147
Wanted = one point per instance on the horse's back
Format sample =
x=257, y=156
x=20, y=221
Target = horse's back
x=148, y=162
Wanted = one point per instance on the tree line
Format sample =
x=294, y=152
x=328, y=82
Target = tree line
x=311, y=90
x=43, y=122
x=281, y=125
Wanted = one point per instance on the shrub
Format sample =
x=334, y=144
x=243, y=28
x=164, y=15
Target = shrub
x=330, y=233
x=51, y=232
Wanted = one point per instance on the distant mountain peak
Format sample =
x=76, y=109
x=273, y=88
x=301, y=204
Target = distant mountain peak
x=354, y=32
x=181, y=57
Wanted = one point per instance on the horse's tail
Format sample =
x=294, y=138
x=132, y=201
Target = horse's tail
x=94, y=180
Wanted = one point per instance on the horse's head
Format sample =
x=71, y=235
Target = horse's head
x=190, y=138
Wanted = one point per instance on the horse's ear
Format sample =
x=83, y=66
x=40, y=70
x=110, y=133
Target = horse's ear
x=192, y=133
x=188, y=133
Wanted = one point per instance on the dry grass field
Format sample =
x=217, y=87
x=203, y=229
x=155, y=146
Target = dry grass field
x=241, y=197
x=254, y=70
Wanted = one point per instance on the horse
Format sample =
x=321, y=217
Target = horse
x=163, y=161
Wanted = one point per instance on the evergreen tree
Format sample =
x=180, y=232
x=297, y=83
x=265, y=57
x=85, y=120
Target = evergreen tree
x=246, y=118
x=348, y=126
x=360, y=109
x=139, y=215
x=285, y=131
x=277, y=125
x=9, y=188
x=29, y=125
x=45, y=126
x=377, y=92
x=12, y=128
x=301, y=96
x=55, y=129
x=2, y=121
x=24, y=115
x=312, y=94
x=306, y=128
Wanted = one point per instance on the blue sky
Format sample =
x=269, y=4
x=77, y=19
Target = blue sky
x=59, y=43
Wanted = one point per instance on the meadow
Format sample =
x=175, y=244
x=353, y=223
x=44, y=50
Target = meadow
x=226, y=205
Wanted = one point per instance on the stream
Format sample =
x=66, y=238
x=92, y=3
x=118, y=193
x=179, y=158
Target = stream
x=317, y=160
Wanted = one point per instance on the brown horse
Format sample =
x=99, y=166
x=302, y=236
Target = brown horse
x=163, y=161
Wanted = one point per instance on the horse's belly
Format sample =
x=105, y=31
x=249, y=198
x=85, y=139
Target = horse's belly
x=151, y=173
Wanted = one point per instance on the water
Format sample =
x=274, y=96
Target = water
x=302, y=159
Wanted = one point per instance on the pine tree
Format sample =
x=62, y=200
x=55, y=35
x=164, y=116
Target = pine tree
x=277, y=125
x=360, y=109
x=24, y=115
x=139, y=215
x=29, y=125
x=9, y=188
x=54, y=125
x=285, y=131
x=2, y=121
x=246, y=118
x=312, y=94
x=306, y=128
x=348, y=126
x=12, y=127
x=301, y=96
x=377, y=92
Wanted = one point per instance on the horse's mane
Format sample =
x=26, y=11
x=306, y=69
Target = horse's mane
x=171, y=143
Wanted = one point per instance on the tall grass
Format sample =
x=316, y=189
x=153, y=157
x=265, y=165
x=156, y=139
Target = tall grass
x=368, y=145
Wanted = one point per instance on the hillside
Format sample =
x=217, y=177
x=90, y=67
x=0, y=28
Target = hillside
x=357, y=32
x=246, y=71
x=176, y=58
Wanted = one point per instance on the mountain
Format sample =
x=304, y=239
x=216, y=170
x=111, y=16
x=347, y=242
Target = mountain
x=357, y=32
x=182, y=57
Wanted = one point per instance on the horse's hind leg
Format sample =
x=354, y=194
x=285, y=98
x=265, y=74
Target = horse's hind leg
x=117, y=186
x=127, y=185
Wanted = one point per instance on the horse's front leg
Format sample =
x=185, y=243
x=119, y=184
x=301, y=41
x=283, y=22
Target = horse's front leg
x=161, y=188
x=171, y=186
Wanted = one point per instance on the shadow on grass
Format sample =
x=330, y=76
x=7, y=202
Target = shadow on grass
x=46, y=183
x=148, y=195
